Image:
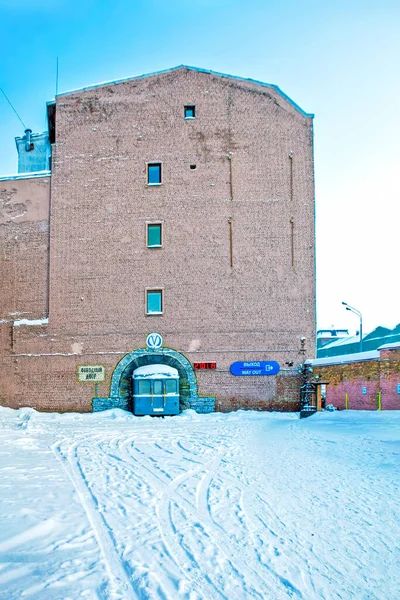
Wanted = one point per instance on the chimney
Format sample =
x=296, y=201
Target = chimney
x=28, y=144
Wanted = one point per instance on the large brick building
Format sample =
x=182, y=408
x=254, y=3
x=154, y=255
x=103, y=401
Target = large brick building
x=180, y=202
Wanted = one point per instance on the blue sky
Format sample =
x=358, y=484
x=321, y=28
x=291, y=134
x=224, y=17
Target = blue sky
x=339, y=60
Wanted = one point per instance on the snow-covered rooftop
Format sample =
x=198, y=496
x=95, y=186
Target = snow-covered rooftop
x=387, y=346
x=343, y=341
x=30, y=175
x=344, y=358
x=153, y=371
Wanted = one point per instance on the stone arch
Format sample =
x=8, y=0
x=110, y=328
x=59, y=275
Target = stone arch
x=121, y=381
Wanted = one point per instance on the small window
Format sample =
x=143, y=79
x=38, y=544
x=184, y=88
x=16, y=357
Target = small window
x=157, y=387
x=154, y=235
x=144, y=387
x=154, y=302
x=153, y=173
x=190, y=111
x=170, y=386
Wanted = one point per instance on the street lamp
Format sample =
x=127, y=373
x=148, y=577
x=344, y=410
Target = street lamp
x=356, y=312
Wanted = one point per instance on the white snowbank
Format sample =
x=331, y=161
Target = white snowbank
x=198, y=507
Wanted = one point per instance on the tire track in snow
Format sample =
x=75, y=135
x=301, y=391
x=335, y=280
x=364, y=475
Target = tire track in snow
x=119, y=582
x=198, y=579
x=172, y=495
x=169, y=495
x=231, y=549
x=255, y=583
x=143, y=468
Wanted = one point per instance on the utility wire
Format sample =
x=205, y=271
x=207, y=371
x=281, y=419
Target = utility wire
x=25, y=127
x=9, y=102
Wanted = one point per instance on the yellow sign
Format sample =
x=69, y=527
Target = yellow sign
x=91, y=373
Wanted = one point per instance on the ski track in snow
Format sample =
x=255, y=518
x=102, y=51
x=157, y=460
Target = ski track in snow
x=214, y=507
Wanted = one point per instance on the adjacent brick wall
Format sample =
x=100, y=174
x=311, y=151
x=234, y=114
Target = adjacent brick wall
x=24, y=267
x=390, y=378
x=376, y=375
x=24, y=247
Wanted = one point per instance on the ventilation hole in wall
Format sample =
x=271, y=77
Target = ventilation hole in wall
x=192, y=166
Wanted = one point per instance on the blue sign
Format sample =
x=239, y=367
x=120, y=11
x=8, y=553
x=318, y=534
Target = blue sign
x=254, y=368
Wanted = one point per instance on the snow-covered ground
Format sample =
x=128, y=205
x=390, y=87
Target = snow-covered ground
x=222, y=506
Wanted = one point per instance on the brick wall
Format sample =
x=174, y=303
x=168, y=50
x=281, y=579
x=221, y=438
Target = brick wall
x=24, y=247
x=381, y=374
x=256, y=309
x=24, y=266
x=390, y=378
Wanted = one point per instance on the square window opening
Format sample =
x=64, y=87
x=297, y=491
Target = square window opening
x=144, y=387
x=190, y=111
x=154, y=235
x=154, y=302
x=153, y=173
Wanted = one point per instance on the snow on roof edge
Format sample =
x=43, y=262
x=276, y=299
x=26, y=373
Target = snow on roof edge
x=199, y=70
x=390, y=345
x=151, y=371
x=28, y=175
x=343, y=341
x=344, y=358
x=43, y=321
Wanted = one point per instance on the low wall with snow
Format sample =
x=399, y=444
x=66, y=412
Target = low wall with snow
x=368, y=380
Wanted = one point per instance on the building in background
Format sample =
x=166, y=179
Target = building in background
x=34, y=152
x=351, y=344
x=367, y=380
x=327, y=336
x=175, y=229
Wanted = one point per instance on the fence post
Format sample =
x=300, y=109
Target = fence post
x=347, y=401
x=379, y=401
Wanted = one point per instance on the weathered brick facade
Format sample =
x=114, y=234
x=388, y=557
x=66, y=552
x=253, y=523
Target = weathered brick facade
x=370, y=382
x=237, y=264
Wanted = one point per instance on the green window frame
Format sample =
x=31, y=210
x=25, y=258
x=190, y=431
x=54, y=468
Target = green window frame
x=154, y=235
x=154, y=173
x=154, y=302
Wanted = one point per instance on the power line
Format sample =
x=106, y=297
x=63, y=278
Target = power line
x=9, y=102
x=25, y=127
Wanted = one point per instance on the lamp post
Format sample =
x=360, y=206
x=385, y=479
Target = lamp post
x=356, y=312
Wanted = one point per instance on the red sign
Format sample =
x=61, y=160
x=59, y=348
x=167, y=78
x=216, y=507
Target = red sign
x=204, y=365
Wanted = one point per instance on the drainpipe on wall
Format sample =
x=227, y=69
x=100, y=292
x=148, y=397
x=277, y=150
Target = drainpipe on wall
x=230, y=220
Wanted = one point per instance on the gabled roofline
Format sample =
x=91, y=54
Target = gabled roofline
x=198, y=70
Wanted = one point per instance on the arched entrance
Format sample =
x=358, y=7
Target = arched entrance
x=121, y=382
